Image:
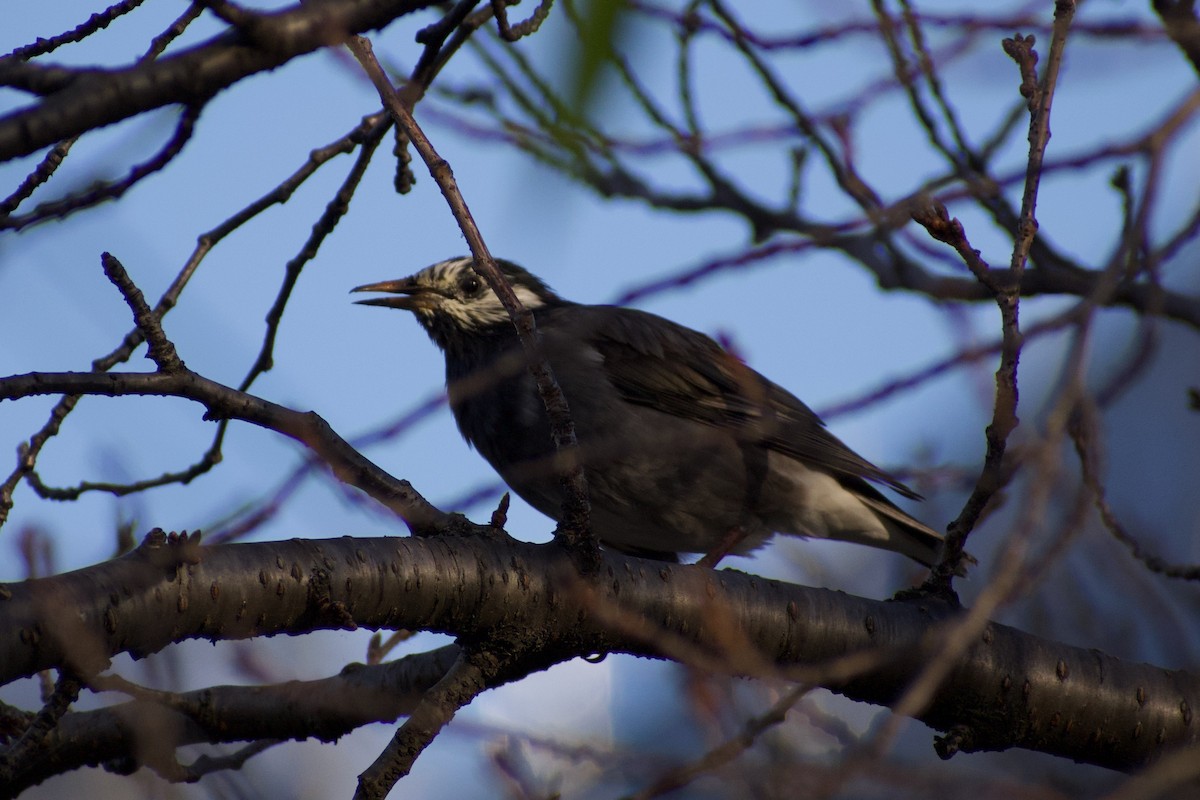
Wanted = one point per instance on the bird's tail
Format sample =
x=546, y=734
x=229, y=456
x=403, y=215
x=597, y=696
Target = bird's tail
x=907, y=535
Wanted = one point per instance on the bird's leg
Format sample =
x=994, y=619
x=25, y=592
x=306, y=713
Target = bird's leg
x=731, y=540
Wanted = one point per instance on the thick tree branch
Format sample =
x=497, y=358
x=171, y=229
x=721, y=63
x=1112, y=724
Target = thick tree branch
x=1010, y=689
x=325, y=709
x=78, y=100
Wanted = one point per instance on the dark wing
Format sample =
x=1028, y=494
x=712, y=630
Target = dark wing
x=656, y=363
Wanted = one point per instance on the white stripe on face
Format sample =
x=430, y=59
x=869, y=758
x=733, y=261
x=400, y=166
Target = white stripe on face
x=479, y=310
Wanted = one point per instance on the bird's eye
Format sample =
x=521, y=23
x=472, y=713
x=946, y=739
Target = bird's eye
x=470, y=285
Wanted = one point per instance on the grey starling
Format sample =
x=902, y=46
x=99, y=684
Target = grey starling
x=683, y=444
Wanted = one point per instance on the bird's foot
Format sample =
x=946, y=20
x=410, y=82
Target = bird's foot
x=460, y=525
x=935, y=587
x=724, y=547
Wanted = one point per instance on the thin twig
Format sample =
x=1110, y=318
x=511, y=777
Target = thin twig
x=108, y=190
x=1083, y=431
x=80, y=32
x=726, y=752
x=54, y=158
x=335, y=209
x=470, y=675
x=161, y=351
x=512, y=33
x=1008, y=294
x=208, y=764
x=223, y=402
x=574, y=525
x=368, y=128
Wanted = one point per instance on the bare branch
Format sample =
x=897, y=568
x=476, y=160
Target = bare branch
x=1123, y=714
x=32, y=738
x=96, y=22
x=471, y=674
x=1008, y=293
x=512, y=33
x=326, y=709
x=161, y=351
x=335, y=209
x=110, y=190
x=222, y=402
x=80, y=100
x=727, y=751
x=1084, y=431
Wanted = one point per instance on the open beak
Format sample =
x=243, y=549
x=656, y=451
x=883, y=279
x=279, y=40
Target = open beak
x=407, y=294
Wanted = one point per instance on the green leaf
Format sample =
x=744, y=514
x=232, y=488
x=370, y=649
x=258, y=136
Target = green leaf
x=601, y=24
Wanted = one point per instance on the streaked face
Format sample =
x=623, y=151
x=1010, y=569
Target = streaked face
x=450, y=292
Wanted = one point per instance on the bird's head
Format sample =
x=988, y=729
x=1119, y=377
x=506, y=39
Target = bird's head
x=453, y=303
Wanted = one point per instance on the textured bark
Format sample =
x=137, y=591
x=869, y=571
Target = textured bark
x=117, y=737
x=77, y=100
x=1011, y=689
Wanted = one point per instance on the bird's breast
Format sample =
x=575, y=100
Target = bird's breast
x=496, y=406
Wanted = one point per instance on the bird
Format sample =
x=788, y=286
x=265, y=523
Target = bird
x=686, y=449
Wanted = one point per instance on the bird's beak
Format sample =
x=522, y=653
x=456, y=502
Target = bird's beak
x=408, y=294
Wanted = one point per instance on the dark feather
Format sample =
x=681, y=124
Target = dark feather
x=657, y=363
x=682, y=442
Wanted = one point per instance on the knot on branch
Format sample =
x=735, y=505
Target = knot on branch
x=960, y=737
x=932, y=215
x=170, y=550
x=160, y=349
x=320, y=596
x=1020, y=49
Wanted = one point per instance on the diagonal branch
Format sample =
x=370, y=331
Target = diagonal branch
x=224, y=402
x=81, y=99
x=326, y=708
x=472, y=673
